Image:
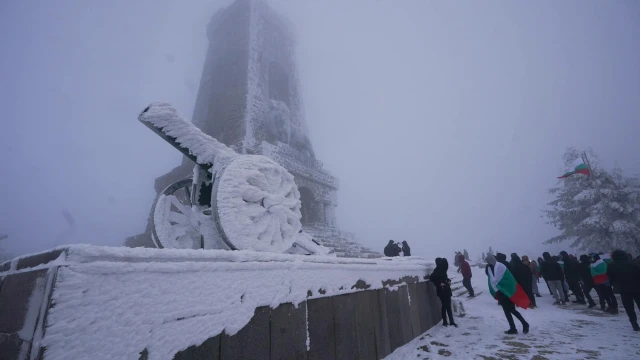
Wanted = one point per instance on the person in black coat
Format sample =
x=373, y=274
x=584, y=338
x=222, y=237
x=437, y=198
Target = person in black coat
x=443, y=289
x=584, y=270
x=572, y=275
x=392, y=249
x=540, y=262
x=406, y=250
x=552, y=272
x=502, y=258
x=523, y=276
x=625, y=275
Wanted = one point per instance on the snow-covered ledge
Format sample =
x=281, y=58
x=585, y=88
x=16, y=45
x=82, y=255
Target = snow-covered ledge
x=112, y=303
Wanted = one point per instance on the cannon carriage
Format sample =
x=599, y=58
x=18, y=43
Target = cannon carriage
x=231, y=202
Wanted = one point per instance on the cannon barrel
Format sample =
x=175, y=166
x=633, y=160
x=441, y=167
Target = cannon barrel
x=201, y=148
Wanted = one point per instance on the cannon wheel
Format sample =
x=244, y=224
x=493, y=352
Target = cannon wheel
x=256, y=205
x=175, y=219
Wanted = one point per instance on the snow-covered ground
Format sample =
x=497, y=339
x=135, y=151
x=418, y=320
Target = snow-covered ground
x=569, y=332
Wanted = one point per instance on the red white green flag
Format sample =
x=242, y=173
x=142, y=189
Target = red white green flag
x=581, y=168
x=599, y=272
x=502, y=280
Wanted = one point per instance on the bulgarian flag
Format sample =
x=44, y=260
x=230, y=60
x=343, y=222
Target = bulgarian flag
x=581, y=168
x=502, y=280
x=599, y=272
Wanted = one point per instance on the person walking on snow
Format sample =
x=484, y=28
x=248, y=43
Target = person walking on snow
x=406, y=250
x=465, y=268
x=601, y=280
x=505, y=289
x=624, y=274
x=565, y=286
x=533, y=267
x=522, y=274
x=584, y=270
x=443, y=290
x=572, y=274
x=552, y=272
x=540, y=263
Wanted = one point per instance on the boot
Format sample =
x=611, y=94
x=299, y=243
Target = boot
x=612, y=311
x=445, y=323
x=525, y=328
x=511, y=332
x=538, y=295
x=635, y=327
x=592, y=305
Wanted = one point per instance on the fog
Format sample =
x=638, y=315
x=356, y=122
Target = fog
x=444, y=121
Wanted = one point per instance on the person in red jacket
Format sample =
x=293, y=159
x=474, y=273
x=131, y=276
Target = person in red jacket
x=465, y=269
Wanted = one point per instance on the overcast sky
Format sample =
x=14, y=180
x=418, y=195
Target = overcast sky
x=445, y=121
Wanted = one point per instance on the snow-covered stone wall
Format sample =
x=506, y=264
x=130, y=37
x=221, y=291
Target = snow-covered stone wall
x=89, y=302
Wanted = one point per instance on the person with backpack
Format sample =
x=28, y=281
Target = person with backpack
x=625, y=275
x=442, y=283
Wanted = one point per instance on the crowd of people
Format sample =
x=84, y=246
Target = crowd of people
x=514, y=283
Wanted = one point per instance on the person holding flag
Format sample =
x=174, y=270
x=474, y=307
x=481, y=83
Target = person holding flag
x=601, y=281
x=507, y=291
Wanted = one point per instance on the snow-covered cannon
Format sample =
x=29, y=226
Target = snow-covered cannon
x=232, y=202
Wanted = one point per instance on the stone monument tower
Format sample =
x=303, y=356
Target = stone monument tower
x=249, y=99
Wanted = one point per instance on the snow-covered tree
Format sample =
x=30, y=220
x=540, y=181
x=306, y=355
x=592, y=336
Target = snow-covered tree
x=466, y=254
x=597, y=212
x=483, y=257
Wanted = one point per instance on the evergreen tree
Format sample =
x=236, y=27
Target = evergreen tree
x=600, y=212
x=484, y=258
x=466, y=254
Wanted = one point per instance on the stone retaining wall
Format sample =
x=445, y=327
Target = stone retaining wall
x=368, y=323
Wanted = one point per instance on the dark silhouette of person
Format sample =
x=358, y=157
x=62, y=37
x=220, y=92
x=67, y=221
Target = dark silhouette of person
x=625, y=275
x=443, y=290
x=406, y=250
x=392, y=249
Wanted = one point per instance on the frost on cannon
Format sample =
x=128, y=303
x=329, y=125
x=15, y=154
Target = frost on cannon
x=232, y=202
x=248, y=104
